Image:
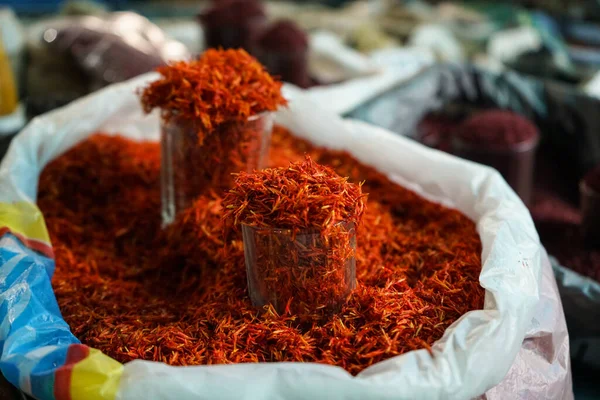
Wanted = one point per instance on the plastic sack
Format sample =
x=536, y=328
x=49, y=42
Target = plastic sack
x=72, y=56
x=517, y=347
x=116, y=48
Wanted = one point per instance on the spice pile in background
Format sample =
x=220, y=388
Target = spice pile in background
x=233, y=24
x=282, y=46
x=503, y=140
x=8, y=91
x=12, y=117
x=589, y=191
x=570, y=233
x=551, y=199
x=125, y=289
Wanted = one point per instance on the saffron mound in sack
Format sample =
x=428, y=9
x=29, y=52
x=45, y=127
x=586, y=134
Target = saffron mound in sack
x=179, y=295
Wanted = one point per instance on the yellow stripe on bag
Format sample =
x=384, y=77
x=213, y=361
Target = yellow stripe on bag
x=24, y=218
x=96, y=377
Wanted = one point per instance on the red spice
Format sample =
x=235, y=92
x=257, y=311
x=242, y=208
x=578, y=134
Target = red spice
x=559, y=221
x=497, y=129
x=283, y=49
x=590, y=208
x=220, y=87
x=304, y=195
x=592, y=179
x=194, y=241
x=548, y=206
x=436, y=131
x=503, y=140
x=232, y=23
x=284, y=36
x=563, y=240
x=306, y=274
x=299, y=234
x=191, y=168
x=418, y=265
x=212, y=122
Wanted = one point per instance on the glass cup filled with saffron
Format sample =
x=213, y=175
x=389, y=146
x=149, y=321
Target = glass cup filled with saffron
x=190, y=166
x=306, y=272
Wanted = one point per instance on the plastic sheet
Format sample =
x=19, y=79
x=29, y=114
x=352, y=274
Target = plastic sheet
x=72, y=56
x=521, y=330
x=396, y=66
x=115, y=48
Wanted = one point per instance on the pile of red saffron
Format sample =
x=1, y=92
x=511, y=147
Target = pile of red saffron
x=220, y=87
x=215, y=122
x=299, y=231
x=126, y=289
x=303, y=195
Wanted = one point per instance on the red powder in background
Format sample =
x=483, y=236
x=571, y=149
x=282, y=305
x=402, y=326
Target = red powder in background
x=497, y=129
x=283, y=49
x=589, y=206
x=233, y=23
x=558, y=219
x=232, y=12
x=563, y=240
x=592, y=179
x=502, y=140
x=548, y=206
x=284, y=36
x=437, y=130
x=554, y=206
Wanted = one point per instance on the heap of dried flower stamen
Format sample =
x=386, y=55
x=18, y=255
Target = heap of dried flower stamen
x=221, y=86
x=298, y=225
x=304, y=195
x=418, y=265
x=215, y=122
